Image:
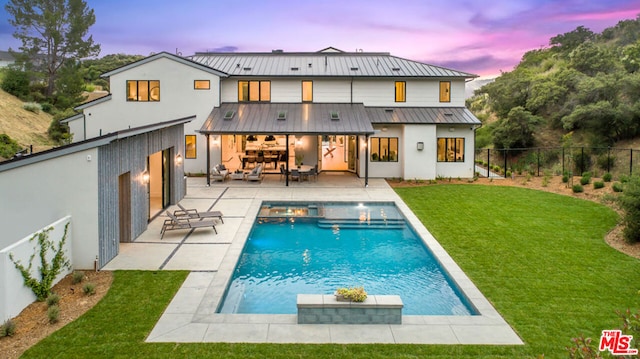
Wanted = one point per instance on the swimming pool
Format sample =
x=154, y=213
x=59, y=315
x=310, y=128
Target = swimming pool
x=314, y=248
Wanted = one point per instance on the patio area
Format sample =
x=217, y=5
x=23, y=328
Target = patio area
x=211, y=258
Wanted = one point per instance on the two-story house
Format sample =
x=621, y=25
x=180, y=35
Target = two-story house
x=372, y=114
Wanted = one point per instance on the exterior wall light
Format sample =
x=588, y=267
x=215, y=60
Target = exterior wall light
x=145, y=176
x=178, y=159
x=420, y=146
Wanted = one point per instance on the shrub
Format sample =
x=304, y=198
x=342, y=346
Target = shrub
x=78, y=276
x=53, y=313
x=630, y=202
x=47, y=107
x=32, y=106
x=581, y=161
x=577, y=188
x=8, y=329
x=584, y=180
x=598, y=184
x=8, y=146
x=357, y=294
x=53, y=299
x=617, y=187
x=565, y=178
x=89, y=289
x=16, y=82
x=508, y=174
x=607, y=177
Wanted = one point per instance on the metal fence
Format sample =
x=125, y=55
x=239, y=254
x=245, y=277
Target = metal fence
x=557, y=161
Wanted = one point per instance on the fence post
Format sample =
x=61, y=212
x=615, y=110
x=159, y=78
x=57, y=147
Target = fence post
x=488, y=162
x=631, y=162
x=538, y=161
x=563, y=161
x=608, y=159
x=581, y=160
x=505, y=163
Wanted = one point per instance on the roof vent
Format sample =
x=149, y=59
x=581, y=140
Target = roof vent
x=247, y=68
x=282, y=115
x=448, y=114
x=295, y=68
x=388, y=110
x=229, y=115
x=309, y=65
x=354, y=69
x=395, y=69
x=334, y=115
x=277, y=51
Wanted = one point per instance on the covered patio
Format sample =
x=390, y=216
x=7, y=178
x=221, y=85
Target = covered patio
x=245, y=121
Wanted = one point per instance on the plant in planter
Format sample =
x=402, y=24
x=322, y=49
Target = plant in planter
x=356, y=294
x=299, y=158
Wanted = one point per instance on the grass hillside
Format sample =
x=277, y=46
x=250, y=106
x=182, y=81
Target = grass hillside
x=25, y=127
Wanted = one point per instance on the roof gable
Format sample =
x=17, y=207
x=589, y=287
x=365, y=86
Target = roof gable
x=169, y=56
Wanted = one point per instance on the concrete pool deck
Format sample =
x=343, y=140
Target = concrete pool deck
x=211, y=258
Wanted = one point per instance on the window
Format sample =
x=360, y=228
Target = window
x=401, y=93
x=445, y=91
x=384, y=149
x=254, y=91
x=143, y=90
x=307, y=91
x=202, y=84
x=450, y=149
x=190, y=146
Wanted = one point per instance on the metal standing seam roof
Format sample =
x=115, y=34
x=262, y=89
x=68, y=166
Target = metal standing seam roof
x=421, y=115
x=300, y=118
x=338, y=64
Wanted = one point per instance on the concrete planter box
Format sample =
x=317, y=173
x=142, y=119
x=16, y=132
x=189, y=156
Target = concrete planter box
x=325, y=309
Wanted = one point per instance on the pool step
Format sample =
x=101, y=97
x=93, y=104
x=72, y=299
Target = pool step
x=356, y=223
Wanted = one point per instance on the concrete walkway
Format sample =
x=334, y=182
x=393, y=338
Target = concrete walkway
x=211, y=258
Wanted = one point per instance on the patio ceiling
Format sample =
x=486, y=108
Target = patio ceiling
x=288, y=118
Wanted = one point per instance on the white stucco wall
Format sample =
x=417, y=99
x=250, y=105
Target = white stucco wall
x=419, y=164
x=386, y=169
x=35, y=195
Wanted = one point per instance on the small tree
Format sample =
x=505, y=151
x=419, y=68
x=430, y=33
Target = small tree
x=630, y=202
x=41, y=287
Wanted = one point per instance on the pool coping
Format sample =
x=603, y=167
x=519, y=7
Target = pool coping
x=191, y=316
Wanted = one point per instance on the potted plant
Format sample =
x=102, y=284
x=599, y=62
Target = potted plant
x=299, y=158
x=355, y=294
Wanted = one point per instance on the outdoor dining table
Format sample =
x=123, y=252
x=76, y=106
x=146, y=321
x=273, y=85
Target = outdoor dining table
x=303, y=170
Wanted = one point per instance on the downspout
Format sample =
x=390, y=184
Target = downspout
x=351, y=91
x=208, y=161
x=366, y=161
x=286, y=152
x=84, y=126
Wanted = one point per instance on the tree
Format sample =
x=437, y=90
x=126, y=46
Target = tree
x=69, y=85
x=16, y=82
x=570, y=40
x=52, y=32
x=515, y=131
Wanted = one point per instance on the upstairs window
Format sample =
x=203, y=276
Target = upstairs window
x=307, y=91
x=401, y=94
x=143, y=90
x=445, y=91
x=254, y=91
x=202, y=84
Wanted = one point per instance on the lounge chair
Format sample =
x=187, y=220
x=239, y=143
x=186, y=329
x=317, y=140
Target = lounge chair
x=256, y=174
x=185, y=223
x=193, y=213
x=219, y=173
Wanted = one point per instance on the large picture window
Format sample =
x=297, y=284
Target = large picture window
x=143, y=90
x=401, y=91
x=445, y=91
x=190, y=146
x=450, y=149
x=384, y=149
x=254, y=91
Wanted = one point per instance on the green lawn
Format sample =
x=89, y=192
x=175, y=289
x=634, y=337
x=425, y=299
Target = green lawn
x=538, y=257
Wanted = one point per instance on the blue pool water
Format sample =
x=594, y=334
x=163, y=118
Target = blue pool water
x=315, y=249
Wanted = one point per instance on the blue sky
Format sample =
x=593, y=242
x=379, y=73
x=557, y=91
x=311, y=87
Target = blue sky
x=477, y=36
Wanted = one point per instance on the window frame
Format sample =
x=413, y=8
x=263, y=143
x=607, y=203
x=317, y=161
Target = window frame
x=445, y=157
x=390, y=142
x=263, y=87
x=403, y=92
x=445, y=92
x=208, y=84
x=187, y=152
x=140, y=96
x=310, y=89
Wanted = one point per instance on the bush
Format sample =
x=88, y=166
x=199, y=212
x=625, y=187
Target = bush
x=565, y=178
x=32, y=106
x=607, y=177
x=8, y=146
x=584, y=180
x=630, y=203
x=598, y=184
x=89, y=289
x=16, y=82
x=577, y=188
x=53, y=299
x=78, y=276
x=53, y=313
x=617, y=187
x=8, y=329
x=582, y=162
x=356, y=294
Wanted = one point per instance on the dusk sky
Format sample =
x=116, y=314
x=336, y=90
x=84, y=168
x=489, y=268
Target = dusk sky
x=481, y=37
